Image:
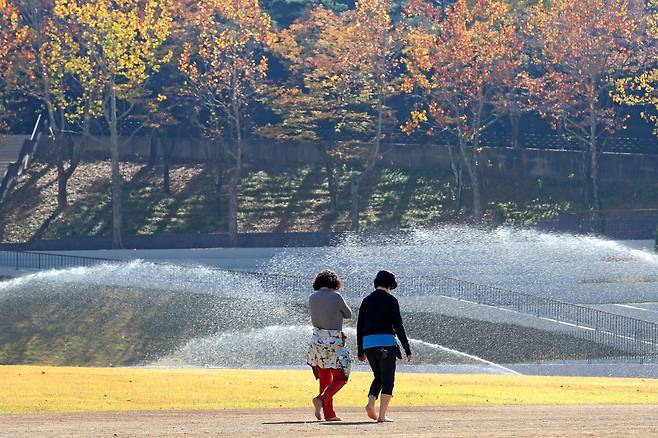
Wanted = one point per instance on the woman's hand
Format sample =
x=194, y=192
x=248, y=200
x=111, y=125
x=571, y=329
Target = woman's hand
x=410, y=358
x=362, y=358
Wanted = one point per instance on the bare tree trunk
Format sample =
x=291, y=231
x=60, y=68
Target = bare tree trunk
x=233, y=206
x=332, y=184
x=515, y=122
x=117, y=181
x=234, y=179
x=218, y=180
x=62, y=177
x=156, y=141
x=357, y=181
x=471, y=168
x=457, y=174
x=33, y=14
x=153, y=148
x=64, y=174
x=594, y=175
x=58, y=146
x=166, y=185
x=594, y=170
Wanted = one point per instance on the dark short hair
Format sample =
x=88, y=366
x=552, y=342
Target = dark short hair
x=328, y=279
x=385, y=279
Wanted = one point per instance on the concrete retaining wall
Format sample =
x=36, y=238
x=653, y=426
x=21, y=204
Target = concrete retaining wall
x=536, y=163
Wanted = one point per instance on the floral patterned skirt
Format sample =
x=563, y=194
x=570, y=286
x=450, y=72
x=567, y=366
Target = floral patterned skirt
x=328, y=350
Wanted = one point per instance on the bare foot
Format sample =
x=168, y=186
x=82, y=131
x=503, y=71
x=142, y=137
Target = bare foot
x=317, y=404
x=333, y=419
x=370, y=410
x=384, y=420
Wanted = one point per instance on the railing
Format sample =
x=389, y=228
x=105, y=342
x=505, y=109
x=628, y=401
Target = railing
x=39, y=260
x=616, y=144
x=629, y=335
x=25, y=157
x=530, y=140
x=624, y=333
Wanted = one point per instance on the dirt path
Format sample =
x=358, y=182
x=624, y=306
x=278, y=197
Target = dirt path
x=509, y=421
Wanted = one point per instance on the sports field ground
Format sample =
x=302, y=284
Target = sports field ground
x=61, y=401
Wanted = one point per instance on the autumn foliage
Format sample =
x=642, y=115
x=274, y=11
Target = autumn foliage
x=464, y=65
x=110, y=48
x=224, y=65
x=583, y=48
x=12, y=36
x=642, y=88
x=348, y=80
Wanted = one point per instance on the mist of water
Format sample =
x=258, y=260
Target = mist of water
x=577, y=269
x=286, y=346
x=572, y=268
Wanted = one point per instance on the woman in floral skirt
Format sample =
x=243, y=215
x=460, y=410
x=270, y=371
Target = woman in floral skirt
x=328, y=355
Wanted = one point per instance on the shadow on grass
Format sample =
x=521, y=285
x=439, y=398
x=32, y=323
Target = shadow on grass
x=303, y=192
x=92, y=215
x=199, y=205
x=23, y=199
x=401, y=207
x=38, y=234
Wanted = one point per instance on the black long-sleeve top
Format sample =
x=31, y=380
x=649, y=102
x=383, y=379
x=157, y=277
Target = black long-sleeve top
x=380, y=314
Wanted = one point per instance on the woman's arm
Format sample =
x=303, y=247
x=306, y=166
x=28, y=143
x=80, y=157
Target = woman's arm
x=359, y=333
x=399, y=328
x=344, y=308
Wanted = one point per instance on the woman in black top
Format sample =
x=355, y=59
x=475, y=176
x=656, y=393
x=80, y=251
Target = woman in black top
x=378, y=324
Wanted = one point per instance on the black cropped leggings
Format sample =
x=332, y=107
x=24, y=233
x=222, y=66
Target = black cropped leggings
x=382, y=362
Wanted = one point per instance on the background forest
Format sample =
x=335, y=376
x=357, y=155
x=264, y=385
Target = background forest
x=349, y=76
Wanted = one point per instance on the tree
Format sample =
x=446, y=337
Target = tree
x=343, y=73
x=12, y=37
x=37, y=74
x=225, y=67
x=584, y=47
x=310, y=103
x=67, y=105
x=642, y=89
x=463, y=65
x=285, y=12
x=113, y=46
x=371, y=61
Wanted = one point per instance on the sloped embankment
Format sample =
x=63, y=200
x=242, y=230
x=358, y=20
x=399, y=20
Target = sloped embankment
x=127, y=326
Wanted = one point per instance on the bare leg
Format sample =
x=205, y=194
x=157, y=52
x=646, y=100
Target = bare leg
x=370, y=407
x=317, y=404
x=383, y=407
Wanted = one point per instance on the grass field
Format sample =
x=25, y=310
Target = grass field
x=29, y=389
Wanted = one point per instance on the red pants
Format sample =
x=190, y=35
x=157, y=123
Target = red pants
x=330, y=383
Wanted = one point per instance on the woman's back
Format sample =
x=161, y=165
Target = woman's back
x=328, y=309
x=380, y=314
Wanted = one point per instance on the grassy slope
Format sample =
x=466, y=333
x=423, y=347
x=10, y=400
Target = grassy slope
x=129, y=326
x=284, y=200
x=112, y=326
x=48, y=389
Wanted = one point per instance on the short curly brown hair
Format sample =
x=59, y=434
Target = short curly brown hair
x=328, y=279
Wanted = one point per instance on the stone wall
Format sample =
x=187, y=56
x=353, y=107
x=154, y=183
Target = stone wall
x=535, y=163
